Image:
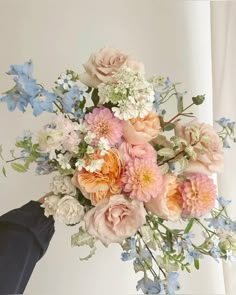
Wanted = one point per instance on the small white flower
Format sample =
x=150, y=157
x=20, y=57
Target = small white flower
x=94, y=165
x=50, y=205
x=90, y=149
x=89, y=137
x=62, y=185
x=69, y=210
x=65, y=81
x=80, y=164
x=63, y=161
x=82, y=128
x=103, y=145
x=125, y=111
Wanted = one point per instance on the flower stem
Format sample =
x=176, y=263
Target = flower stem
x=149, y=250
x=179, y=114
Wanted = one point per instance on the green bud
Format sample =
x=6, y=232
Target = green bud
x=198, y=99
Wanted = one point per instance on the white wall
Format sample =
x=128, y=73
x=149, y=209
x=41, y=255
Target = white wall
x=171, y=37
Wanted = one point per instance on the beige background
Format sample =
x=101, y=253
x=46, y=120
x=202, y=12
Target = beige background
x=172, y=38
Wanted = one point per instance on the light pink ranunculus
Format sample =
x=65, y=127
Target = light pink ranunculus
x=115, y=219
x=168, y=203
x=102, y=65
x=208, y=147
x=142, y=151
x=141, y=130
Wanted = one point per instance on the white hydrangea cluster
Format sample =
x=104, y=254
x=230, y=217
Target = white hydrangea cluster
x=130, y=92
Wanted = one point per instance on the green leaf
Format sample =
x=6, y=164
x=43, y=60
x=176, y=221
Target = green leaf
x=24, y=144
x=180, y=106
x=82, y=103
x=4, y=171
x=95, y=97
x=168, y=127
x=138, y=266
x=196, y=263
x=83, y=238
x=19, y=167
x=164, y=168
x=189, y=225
x=65, y=171
x=169, y=238
x=91, y=253
x=166, y=152
x=198, y=99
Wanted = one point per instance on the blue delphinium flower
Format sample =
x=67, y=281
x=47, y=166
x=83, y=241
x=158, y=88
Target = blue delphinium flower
x=226, y=144
x=216, y=223
x=156, y=100
x=172, y=283
x=167, y=83
x=27, y=134
x=223, y=122
x=149, y=286
x=26, y=69
x=215, y=253
x=223, y=202
x=43, y=102
x=71, y=98
x=43, y=167
x=192, y=254
x=25, y=88
x=128, y=255
x=15, y=100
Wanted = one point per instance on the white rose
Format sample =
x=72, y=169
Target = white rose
x=50, y=205
x=63, y=185
x=69, y=210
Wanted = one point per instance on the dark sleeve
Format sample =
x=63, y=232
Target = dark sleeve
x=25, y=234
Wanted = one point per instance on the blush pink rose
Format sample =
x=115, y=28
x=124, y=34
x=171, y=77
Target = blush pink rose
x=115, y=219
x=102, y=65
x=208, y=147
x=168, y=203
x=142, y=151
x=141, y=130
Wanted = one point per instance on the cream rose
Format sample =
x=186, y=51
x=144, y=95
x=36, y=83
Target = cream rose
x=63, y=185
x=50, y=205
x=141, y=130
x=115, y=219
x=102, y=65
x=206, y=144
x=69, y=210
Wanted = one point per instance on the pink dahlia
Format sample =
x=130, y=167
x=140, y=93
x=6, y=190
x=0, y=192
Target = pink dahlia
x=103, y=123
x=199, y=194
x=141, y=151
x=142, y=179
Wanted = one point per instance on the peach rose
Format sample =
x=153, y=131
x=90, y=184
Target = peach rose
x=168, y=204
x=115, y=219
x=208, y=147
x=102, y=65
x=101, y=183
x=141, y=130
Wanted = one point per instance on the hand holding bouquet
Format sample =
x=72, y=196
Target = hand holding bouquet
x=123, y=171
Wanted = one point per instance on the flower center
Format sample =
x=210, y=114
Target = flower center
x=102, y=129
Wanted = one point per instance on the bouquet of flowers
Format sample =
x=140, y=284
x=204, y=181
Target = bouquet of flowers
x=124, y=172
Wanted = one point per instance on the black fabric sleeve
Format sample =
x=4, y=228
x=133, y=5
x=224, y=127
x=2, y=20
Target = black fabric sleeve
x=25, y=234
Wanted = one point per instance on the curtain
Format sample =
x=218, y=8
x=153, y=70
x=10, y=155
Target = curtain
x=223, y=28
x=192, y=42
